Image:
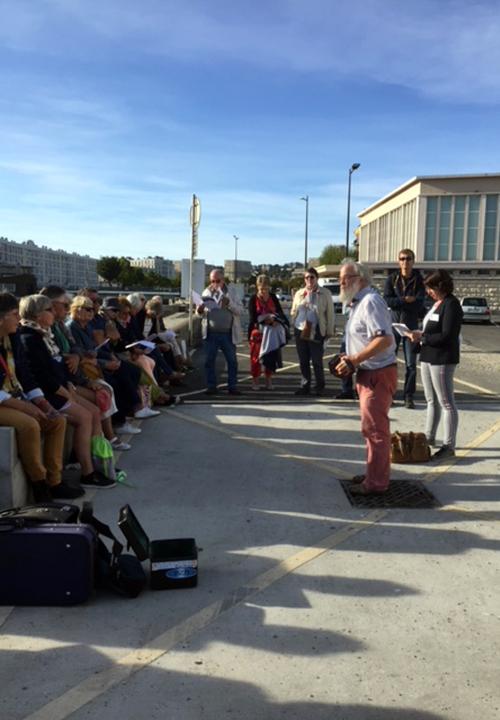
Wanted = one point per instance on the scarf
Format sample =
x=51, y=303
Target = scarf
x=48, y=337
x=10, y=384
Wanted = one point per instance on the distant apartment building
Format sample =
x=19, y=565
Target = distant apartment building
x=243, y=269
x=49, y=266
x=157, y=264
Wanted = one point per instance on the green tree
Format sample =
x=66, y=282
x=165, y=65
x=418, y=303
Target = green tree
x=109, y=268
x=332, y=255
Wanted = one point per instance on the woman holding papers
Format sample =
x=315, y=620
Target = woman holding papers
x=266, y=333
x=439, y=356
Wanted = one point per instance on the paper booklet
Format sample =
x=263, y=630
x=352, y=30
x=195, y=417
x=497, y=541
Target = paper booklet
x=402, y=329
x=209, y=302
x=98, y=347
x=145, y=344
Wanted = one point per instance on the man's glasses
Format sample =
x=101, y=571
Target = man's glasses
x=405, y=258
x=217, y=282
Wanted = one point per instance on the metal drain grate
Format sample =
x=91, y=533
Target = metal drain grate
x=401, y=494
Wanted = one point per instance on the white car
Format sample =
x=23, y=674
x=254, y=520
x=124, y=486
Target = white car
x=476, y=309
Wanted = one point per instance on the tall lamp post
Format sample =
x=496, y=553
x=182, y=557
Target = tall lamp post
x=306, y=235
x=236, y=238
x=353, y=167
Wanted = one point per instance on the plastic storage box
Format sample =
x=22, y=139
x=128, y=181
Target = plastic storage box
x=173, y=563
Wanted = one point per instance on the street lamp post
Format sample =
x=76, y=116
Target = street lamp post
x=236, y=238
x=306, y=234
x=353, y=167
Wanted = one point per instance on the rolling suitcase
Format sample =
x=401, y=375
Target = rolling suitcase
x=44, y=562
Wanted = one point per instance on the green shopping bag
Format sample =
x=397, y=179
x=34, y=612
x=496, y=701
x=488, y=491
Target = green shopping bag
x=103, y=457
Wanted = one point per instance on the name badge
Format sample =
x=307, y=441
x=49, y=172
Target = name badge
x=434, y=317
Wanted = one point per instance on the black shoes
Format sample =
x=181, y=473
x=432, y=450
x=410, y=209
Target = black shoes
x=303, y=391
x=64, y=491
x=409, y=403
x=41, y=492
x=345, y=396
x=97, y=480
x=234, y=391
x=319, y=391
x=211, y=391
x=445, y=451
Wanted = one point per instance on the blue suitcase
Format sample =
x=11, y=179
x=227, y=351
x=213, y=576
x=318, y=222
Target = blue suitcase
x=46, y=564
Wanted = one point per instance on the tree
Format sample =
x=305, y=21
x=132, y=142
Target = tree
x=109, y=268
x=332, y=255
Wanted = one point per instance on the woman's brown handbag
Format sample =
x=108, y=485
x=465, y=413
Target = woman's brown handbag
x=409, y=447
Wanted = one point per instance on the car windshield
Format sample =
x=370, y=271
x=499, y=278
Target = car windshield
x=475, y=302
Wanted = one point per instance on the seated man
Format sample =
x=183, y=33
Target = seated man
x=23, y=407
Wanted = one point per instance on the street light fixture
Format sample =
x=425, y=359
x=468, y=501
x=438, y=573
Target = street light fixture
x=236, y=238
x=306, y=200
x=353, y=167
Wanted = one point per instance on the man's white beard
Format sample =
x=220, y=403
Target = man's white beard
x=346, y=295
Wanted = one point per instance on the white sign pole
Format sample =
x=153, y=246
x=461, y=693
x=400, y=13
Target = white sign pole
x=194, y=216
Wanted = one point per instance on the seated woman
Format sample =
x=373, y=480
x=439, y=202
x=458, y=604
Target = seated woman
x=97, y=361
x=23, y=407
x=47, y=366
x=266, y=332
x=156, y=330
x=95, y=390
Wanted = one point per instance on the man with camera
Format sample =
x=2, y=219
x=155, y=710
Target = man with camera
x=370, y=352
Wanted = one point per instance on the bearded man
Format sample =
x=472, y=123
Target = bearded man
x=370, y=351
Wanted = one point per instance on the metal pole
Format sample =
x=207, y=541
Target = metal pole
x=236, y=238
x=348, y=214
x=353, y=167
x=191, y=263
x=306, y=233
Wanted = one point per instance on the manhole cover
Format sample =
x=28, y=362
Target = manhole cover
x=401, y=494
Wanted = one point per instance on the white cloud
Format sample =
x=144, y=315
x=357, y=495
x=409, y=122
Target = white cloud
x=447, y=49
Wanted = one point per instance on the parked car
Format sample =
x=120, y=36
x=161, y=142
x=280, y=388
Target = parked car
x=476, y=309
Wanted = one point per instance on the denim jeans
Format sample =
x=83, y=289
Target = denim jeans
x=310, y=352
x=410, y=355
x=214, y=343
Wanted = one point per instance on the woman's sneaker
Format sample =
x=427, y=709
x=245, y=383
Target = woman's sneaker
x=127, y=429
x=97, y=480
x=444, y=452
x=117, y=444
x=146, y=412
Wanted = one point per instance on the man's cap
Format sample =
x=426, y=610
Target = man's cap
x=111, y=303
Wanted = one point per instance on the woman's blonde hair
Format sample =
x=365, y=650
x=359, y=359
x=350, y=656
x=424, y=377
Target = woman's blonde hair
x=78, y=302
x=262, y=280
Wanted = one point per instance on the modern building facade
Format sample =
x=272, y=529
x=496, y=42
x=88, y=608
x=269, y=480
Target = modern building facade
x=450, y=221
x=157, y=264
x=50, y=266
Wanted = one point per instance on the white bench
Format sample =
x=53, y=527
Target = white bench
x=14, y=487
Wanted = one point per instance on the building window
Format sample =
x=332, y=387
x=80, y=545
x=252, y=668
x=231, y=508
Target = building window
x=430, y=228
x=490, y=228
x=444, y=228
x=457, y=249
x=472, y=227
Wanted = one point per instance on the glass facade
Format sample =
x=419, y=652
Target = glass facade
x=490, y=246
x=453, y=225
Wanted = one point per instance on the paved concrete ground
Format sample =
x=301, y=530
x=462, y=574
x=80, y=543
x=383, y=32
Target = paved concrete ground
x=306, y=607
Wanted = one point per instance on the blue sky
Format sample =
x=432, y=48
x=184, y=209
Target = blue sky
x=114, y=112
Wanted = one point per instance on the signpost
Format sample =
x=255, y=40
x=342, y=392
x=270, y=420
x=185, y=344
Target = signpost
x=194, y=218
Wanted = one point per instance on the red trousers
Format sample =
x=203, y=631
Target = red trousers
x=376, y=389
x=255, y=364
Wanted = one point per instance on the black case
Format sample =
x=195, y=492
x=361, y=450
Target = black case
x=46, y=564
x=173, y=563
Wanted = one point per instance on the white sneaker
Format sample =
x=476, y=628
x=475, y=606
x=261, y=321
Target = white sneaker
x=146, y=412
x=127, y=429
x=118, y=445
